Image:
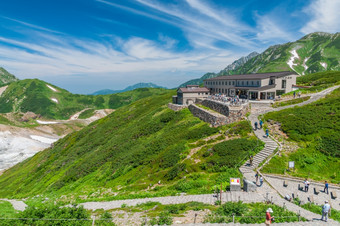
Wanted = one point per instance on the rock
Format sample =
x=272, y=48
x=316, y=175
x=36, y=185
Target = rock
x=29, y=115
x=249, y=186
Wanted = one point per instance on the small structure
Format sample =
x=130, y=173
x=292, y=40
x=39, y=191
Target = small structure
x=235, y=184
x=189, y=94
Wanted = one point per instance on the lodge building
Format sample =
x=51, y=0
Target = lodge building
x=262, y=86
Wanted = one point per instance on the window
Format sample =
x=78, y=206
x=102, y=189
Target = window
x=230, y=83
x=233, y=82
x=247, y=83
x=252, y=83
x=242, y=83
x=258, y=83
x=284, y=84
x=271, y=81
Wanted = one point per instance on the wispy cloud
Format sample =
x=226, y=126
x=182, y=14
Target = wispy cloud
x=324, y=15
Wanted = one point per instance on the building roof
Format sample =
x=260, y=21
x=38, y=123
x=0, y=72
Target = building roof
x=253, y=76
x=194, y=90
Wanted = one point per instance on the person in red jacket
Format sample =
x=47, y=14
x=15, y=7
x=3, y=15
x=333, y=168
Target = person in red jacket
x=268, y=217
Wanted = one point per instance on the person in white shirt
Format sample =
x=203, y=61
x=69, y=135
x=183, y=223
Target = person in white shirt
x=306, y=185
x=325, y=210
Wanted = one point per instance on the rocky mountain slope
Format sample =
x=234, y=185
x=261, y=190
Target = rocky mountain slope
x=129, y=88
x=312, y=53
x=226, y=71
x=6, y=77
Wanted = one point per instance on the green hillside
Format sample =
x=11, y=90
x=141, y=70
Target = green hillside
x=39, y=97
x=315, y=127
x=137, y=145
x=317, y=52
x=6, y=77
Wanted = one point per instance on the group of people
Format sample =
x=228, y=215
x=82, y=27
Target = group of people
x=235, y=100
x=307, y=183
x=261, y=124
x=299, y=94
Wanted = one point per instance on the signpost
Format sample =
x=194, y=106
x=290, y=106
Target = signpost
x=291, y=165
x=235, y=184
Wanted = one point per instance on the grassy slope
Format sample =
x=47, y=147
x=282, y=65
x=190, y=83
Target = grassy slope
x=135, y=146
x=34, y=95
x=316, y=128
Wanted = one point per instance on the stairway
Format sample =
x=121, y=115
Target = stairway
x=268, y=149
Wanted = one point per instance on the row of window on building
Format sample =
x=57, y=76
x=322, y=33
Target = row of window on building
x=232, y=83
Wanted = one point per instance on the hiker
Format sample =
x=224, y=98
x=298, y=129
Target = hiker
x=326, y=187
x=255, y=125
x=261, y=180
x=268, y=217
x=261, y=123
x=267, y=133
x=257, y=176
x=306, y=185
x=299, y=94
x=251, y=160
x=325, y=210
x=294, y=94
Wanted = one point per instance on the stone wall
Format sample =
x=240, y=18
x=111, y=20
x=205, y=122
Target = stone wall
x=220, y=107
x=234, y=114
x=214, y=119
x=176, y=107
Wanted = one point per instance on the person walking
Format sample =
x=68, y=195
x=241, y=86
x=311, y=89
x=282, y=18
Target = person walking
x=294, y=94
x=268, y=217
x=255, y=124
x=261, y=181
x=267, y=133
x=306, y=185
x=325, y=210
x=326, y=187
x=261, y=123
x=251, y=160
x=257, y=176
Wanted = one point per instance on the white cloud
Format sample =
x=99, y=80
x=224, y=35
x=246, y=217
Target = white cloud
x=324, y=15
x=269, y=29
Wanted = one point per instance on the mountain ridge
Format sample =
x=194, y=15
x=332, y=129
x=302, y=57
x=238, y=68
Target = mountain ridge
x=6, y=77
x=129, y=88
x=314, y=52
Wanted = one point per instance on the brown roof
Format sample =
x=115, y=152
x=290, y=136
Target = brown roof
x=253, y=76
x=194, y=90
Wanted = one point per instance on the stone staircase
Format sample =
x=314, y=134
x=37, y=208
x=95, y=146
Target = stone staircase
x=246, y=169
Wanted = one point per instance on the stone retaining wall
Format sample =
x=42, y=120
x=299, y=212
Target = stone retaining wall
x=214, y=119
x=176, y=107
x=217, y=106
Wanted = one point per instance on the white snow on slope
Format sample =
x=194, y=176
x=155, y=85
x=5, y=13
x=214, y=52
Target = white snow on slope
x=292, y=58
x=43, y=139
x=55, y=100
x=304, y=65
x=323, y=65
x=46, y=122
x=52, y=88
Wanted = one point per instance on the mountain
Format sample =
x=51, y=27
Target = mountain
x=49, y=101
x=119, y=156
x=315, y=52
x=226, y=71
x=6, y=77
x=135, y=86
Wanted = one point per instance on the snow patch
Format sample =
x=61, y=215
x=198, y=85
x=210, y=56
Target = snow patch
x=323, y=64
x=46, y=122
x=43, y=139
x=304, y=65
x=290, y=62
x=55, y=100
x=52, y=88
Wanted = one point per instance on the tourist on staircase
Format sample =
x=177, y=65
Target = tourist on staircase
x=325, y=210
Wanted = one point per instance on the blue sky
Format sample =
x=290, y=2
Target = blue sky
x=87, y=45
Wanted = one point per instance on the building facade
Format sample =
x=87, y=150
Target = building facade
x=189, y=94
x=262, y=86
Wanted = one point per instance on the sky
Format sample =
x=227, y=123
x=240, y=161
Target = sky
x=89, y=45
